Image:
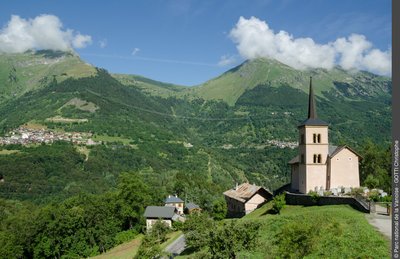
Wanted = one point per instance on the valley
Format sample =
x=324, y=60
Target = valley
x=77, y=140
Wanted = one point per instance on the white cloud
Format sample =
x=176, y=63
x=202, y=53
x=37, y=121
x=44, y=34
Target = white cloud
x=226, y=60
x=81, y=41
x=135, y=51
x=255, y=39
x=42, y=32
x=103, y=43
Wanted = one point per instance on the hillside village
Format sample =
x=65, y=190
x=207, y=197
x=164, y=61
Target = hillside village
x=25, y=135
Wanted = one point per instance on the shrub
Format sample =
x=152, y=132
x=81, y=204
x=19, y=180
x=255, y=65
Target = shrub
x=197, y=229
x=229, y=239
x=278, y=203
x=297, y=239
x=356, y=191
x=373, y=195
x=125, y=236
x=219, y=209
x=314, y=196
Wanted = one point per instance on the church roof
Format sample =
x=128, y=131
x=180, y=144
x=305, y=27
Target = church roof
x=332, y=149
x=295, y=160
x=313, y=122
x=340, y=148
x=312, y=119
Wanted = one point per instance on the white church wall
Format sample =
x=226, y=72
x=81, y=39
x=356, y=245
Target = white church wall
x=316, y=177
x=344, y=169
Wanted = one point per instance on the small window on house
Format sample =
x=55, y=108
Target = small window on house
x=350, y=158
x=314, y=138
x=319, y=138
x=315, y=159
x=319, y=159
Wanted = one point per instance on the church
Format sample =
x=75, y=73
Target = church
x=320, y=166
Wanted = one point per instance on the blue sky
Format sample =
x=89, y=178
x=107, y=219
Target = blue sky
x=189, y=42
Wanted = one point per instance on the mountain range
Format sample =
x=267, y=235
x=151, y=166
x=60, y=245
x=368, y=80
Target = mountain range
x=240, y=126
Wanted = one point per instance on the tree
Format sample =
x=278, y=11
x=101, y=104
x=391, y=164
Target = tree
x=150, y=247
x=375, y=169
x=233, y=237
x=197, y=229
x=133, y=196
x=219, y=209
x=159, y=231
x=278, y=203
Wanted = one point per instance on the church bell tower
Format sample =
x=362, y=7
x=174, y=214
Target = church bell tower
x=313, y=149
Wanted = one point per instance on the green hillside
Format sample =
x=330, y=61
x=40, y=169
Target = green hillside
x=150, y=86
x=297, y=232
x=233, y=83
x=21, y=73
x=162, y=139
x=148, y=122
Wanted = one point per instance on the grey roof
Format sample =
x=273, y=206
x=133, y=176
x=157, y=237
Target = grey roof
x=173, y=199
x=340, y=148
x=191, y=206
x=162, y=212
x=332, y=149
x=295, y=160
x=313, y=122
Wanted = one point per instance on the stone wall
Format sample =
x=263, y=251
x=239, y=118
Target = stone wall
x=307, y=200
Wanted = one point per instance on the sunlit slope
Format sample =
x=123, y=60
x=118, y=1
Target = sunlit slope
x=233, y=83
x=20, y=73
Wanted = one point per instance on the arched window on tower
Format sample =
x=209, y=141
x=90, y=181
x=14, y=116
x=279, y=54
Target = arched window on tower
x=315, y=159
x=319, y=138
x=319, y=159
x=314, y=138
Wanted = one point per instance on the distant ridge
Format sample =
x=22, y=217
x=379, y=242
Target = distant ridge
x=233, y=83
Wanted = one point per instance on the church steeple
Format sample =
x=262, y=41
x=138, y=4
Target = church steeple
x=312, y=119
x=312, y=107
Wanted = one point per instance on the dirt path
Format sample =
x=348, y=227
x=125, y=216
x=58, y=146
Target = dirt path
x=381, y=221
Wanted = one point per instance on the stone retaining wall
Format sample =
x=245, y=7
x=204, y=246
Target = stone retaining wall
x=307, y=200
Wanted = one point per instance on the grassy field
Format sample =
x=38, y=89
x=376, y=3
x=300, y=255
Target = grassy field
x=124, y=251
x=318, y=232
x=129, y=249
x=315, y=232
x=8, y=152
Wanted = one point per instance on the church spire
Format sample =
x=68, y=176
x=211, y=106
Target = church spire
x=312, y=119
x=312, y=106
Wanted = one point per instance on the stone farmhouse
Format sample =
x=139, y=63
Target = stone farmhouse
x=320, y=166
x=245, y=198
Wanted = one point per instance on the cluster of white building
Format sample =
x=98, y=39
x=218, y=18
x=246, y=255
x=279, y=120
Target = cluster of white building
x=25, y=136
x=283, y=144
